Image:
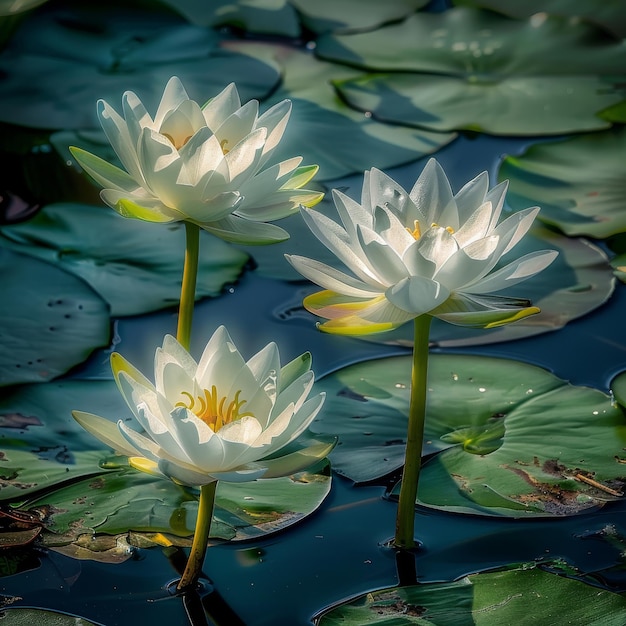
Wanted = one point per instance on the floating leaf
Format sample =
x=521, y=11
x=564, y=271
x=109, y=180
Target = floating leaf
x=610, y=15
x=63, y=59
x=470, y=42
x=507, y=434
x=280, y=17
x=275, y=17
x=62, y=470
x=578, y=182
x=135, y=266
x=498, y=105
x=524, y=594
x=326, y=131
x=50, y=320
x=483, y=73
x=21, y=616
x=332, y=16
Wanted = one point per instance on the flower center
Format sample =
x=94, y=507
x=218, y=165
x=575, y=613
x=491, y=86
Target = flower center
x=178, y=145
x=223, y=145
x=213, y=410
x=416, y=232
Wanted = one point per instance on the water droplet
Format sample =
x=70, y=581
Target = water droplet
x=529, y=391
x=248, y=498
x=400, y=386
x=482, y=389
x=455, y=377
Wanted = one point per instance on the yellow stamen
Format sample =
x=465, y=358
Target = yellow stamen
x=448, y=228
x=214, y=411
x=223, y=145
x=176, y=145
x=416, y=232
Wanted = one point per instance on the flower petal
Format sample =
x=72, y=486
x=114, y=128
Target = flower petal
x=331, y=278
x=515, y=272
x=417, y=295
x=106, y=431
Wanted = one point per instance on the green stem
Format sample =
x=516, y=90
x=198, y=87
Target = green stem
x=188, y=288
x=200, y=537
x=405, y=520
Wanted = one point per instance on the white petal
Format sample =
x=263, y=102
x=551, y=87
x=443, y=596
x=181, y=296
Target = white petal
x=243, y=431
x=516, y=226
x=338, y=242
x=383, y=259
x=476, y=226
x=238, y=230
x=417, y=295
x=221, y=106
x=515, y=272
x=331, y=278
x=173, y=96
x=432, y=192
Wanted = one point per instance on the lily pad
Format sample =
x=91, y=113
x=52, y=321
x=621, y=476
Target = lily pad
x=609, y=14
x=50, y=320
x=505, y=435
x=524, y=594
x=483, y=72
x=24, y=616
x=275, y=17
x=471, y=42
x=497, y=105
x=63, y=59
x=348, y=15
x=135, y=266
x=578, y=182
x=282, y=17
x=326, y=131
x=61, y=470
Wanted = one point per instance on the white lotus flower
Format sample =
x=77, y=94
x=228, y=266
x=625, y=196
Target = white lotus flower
x=201, y=164
x=423, y=252
x=218, y=419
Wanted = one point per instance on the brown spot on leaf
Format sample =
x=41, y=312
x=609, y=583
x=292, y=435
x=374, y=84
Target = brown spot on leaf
x=18, y=420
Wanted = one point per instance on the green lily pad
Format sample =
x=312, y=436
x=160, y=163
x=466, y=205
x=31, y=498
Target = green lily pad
x=506, y=435
x=331, y=16
x=280, y=17
x=63, y=59
x=609, y=14
x=21, y=616
x=470, y=42
x=482, y=73
x=135, y=266
x=326, y=131
x=524, y=594
x=497, y=105
x=50, y=464
x=50, y=320
x=578, y=182
x=274, y=17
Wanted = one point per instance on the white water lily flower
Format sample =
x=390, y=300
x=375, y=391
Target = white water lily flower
x=219, y=419
x=423, y=252
x=201, y=164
